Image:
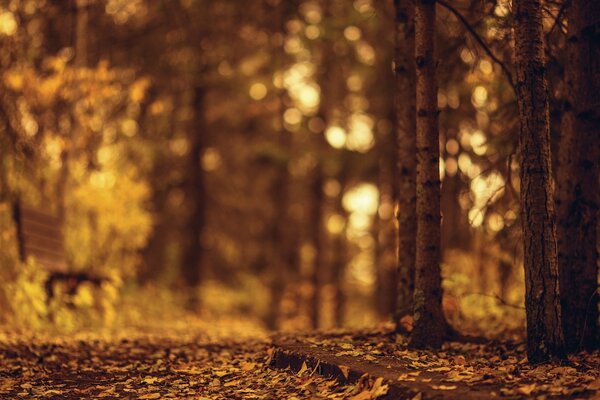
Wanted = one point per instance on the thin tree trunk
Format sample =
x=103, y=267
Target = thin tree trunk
x=577, y=187
x=406, y=158
x=195, y=198
x=281, y=260
x=542, y=302
x=429, y=323
x=316, y=221
x=339, y=270
x=81, y=62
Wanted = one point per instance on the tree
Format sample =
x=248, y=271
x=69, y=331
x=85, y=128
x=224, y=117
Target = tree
x=195, y=196
x=429, y=323
x=542, y=303
x=577, y=186
x=406, y=158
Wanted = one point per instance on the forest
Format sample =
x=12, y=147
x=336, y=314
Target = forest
x=299, y=199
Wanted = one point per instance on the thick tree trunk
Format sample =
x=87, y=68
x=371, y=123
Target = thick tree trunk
x=195, y=201
x=544, y=332
x=406, y=158
x=577, y=186
x=429, y=323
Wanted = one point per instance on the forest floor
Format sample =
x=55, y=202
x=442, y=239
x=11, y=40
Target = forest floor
x=213, y=361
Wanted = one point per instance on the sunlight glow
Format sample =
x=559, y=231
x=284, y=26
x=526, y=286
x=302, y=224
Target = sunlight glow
x=360, y=137
x=363, y=198
x=336, y=137
x=479, y=97
x=336, y=224
x=352, y=33
x=8, y=23
x=486, y=190
x=258, y=91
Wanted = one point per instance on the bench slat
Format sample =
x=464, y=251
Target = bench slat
x=27, y=213
x=40, y=240
x=41, y=229
x=55, y=253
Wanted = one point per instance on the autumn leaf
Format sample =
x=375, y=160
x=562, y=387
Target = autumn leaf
x=345, y=370
x=150, y=396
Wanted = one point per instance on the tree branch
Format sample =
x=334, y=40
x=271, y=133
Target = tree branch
x=479, y=40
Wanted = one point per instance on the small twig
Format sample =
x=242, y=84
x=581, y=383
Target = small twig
x=559, y=17
x=481, y=42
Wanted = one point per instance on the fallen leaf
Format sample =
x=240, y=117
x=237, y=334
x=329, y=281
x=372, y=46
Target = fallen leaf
x=345, y=370
x=443, y=387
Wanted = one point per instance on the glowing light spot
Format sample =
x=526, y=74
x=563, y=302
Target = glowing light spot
x=452, y=147
x=363, y=198
x=486, y=190
x=442, y=164
x=129, y=127
x=179, y=146
x=336, y=224
x=354, y=83
x=495, y=222
x=365, y=52
x=360, y=221
x=451, y=166
x=258, y=91
x=453, y=99
x=360, y=137
x=363, y=6
x=476, y=217
x=8, y=23
x=332, y=188
x=352, y=33
x=293, y=45
x=501, y=10
x=292, y=116
x=464, y=162
x=308, y=96
x=478, y=142
x=386, y=210
x=442, y=100
x=312, y=32
x=479, y=96
x=312, y=12
x=467, y=56
x=211, y=159
x=278, y=80
x=336, y=137
x=486, y=67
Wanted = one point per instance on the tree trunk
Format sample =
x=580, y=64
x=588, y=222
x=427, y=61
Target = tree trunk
x=195, y=199
x=542, y=303
x=577, y=187
x=429, y=323
x=406, y=158
x=316, y=220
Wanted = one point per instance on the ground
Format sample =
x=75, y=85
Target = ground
x=195, y=360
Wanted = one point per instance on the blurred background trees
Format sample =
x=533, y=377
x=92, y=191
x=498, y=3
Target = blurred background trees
x=240, y=161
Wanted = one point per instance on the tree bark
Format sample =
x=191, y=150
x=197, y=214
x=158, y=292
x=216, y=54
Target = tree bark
x=406, y=158
x=429, y=323
x=577, y=186
x=542, y=303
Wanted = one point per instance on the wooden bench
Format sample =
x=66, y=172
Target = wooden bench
x=40, y=236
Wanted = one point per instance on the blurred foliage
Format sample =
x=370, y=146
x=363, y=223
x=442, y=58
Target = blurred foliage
x=101, y=118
